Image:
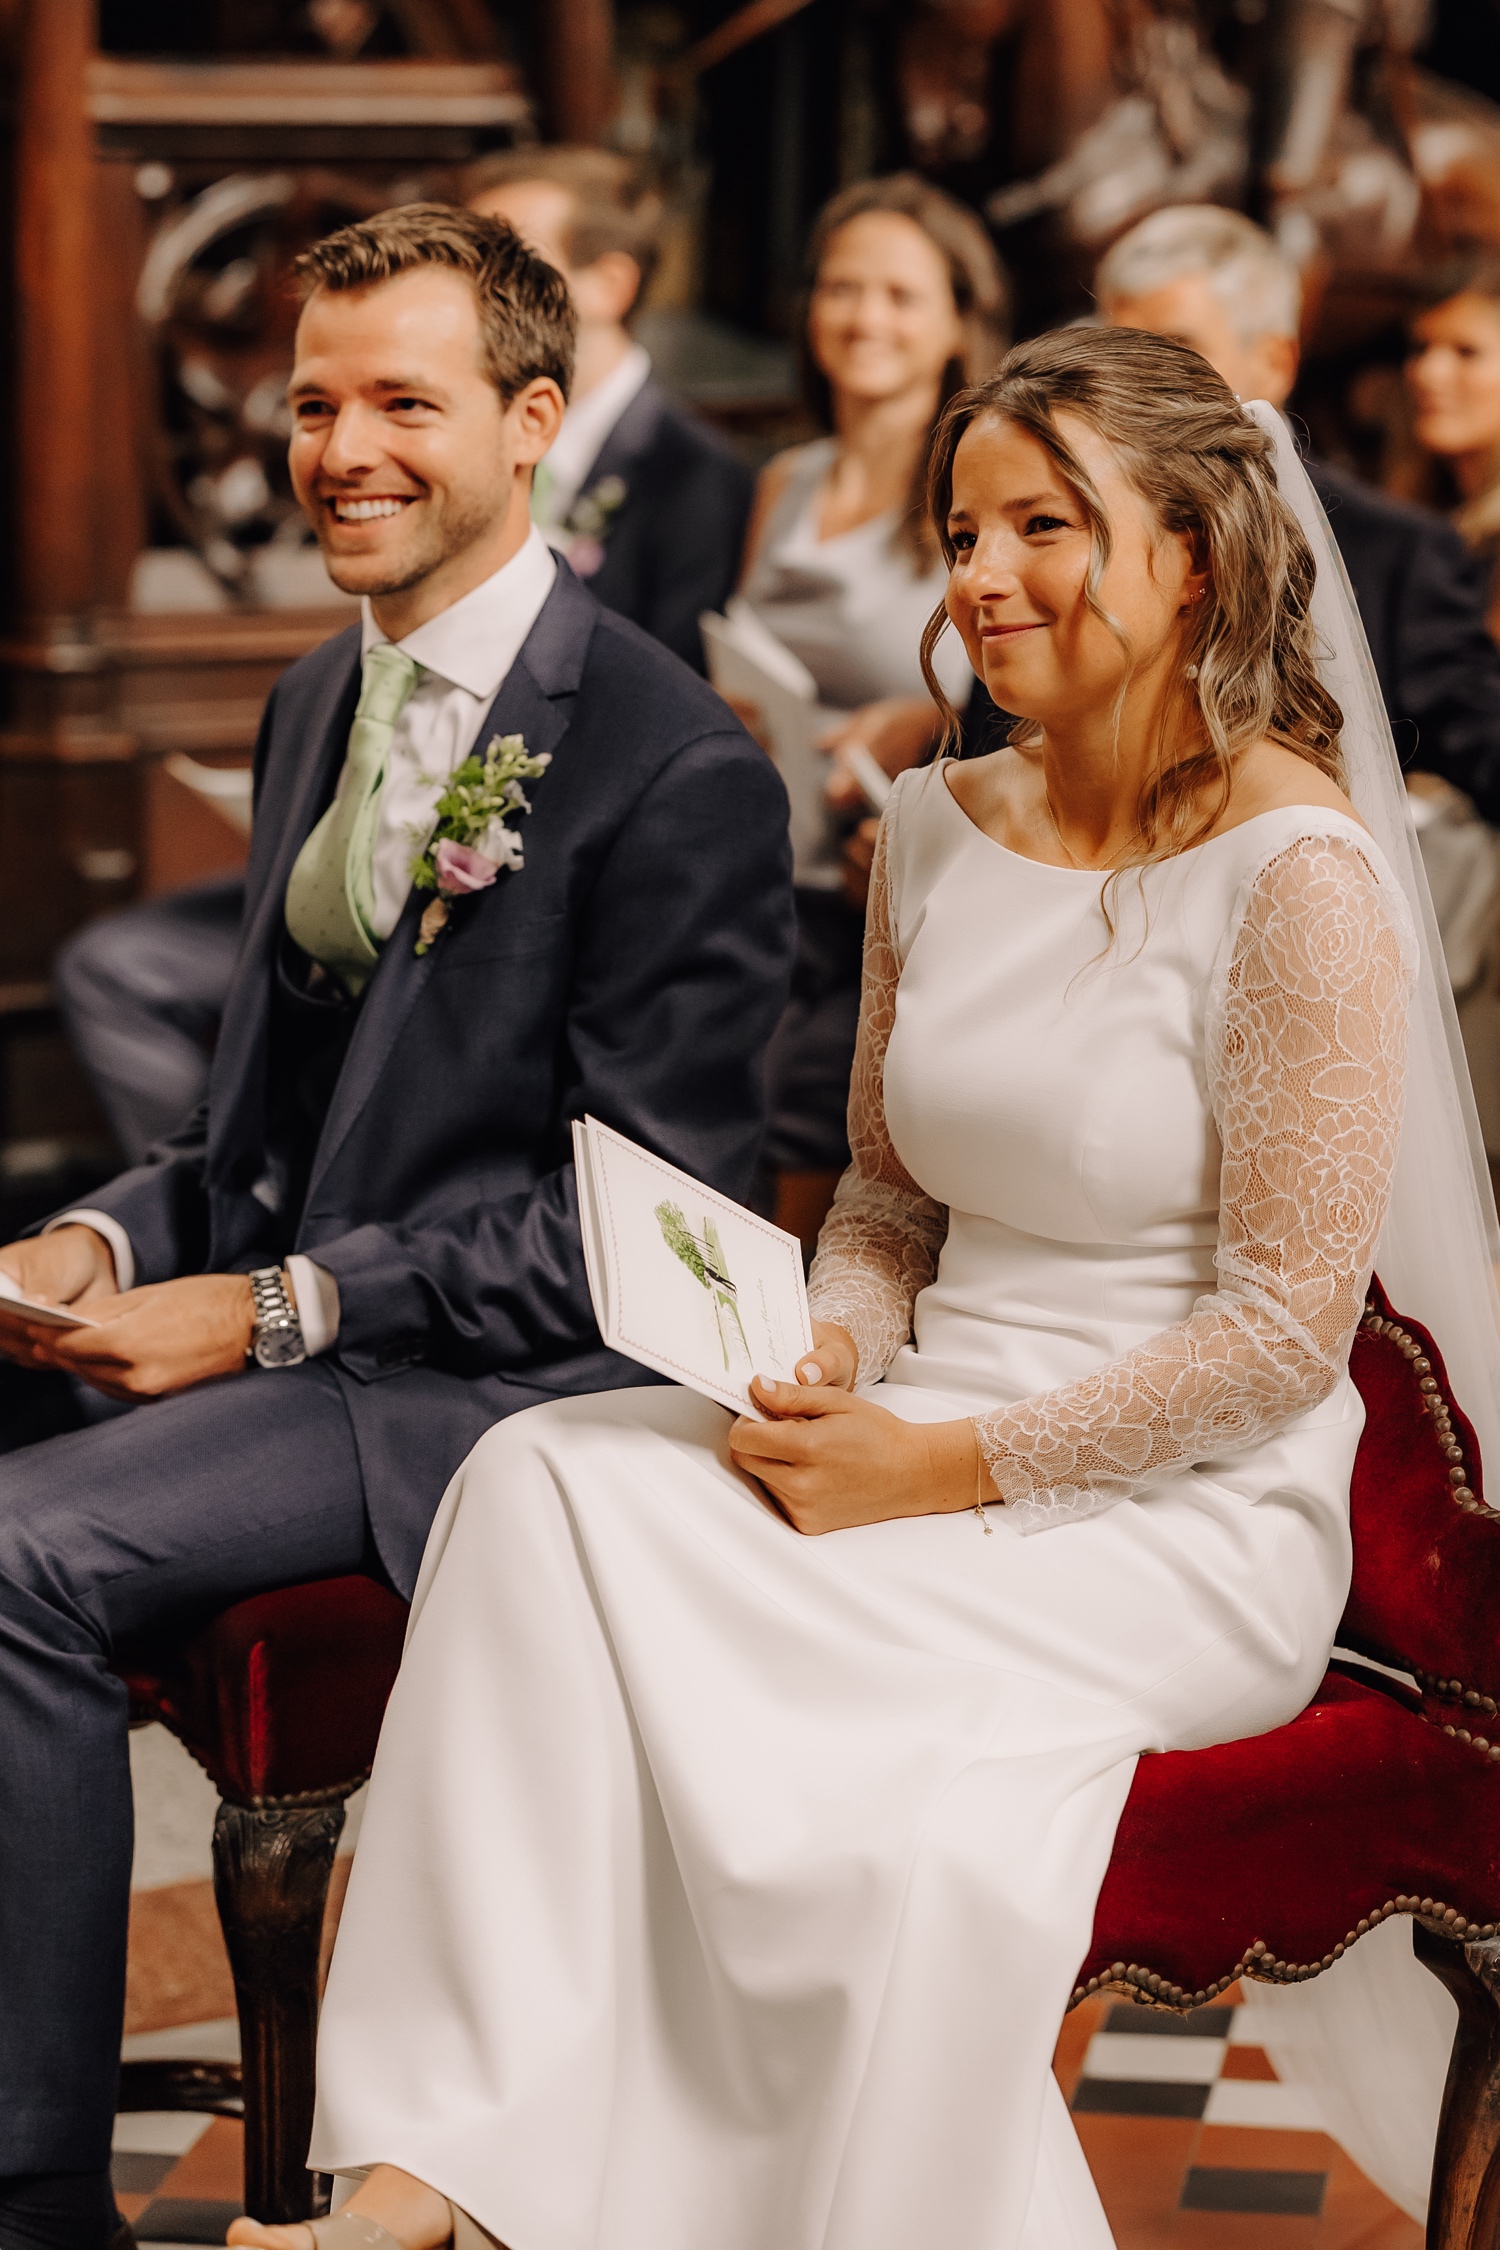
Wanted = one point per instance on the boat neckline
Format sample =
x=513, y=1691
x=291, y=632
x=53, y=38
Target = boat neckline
x=1051, y=867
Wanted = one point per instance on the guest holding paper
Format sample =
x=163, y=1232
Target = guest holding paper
x=905, y=307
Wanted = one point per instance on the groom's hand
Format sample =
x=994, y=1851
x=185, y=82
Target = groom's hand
x=70, y=1266
x=163, y=1338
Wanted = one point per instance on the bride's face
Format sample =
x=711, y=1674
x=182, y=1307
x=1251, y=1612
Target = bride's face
x=1016, y=589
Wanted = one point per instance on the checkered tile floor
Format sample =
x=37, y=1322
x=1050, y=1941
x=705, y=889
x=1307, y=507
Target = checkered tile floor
x=178, y=2177
x=1196, y=2145
x=1194, y=2142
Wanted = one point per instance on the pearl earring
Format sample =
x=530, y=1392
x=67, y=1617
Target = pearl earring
x=1191, y=673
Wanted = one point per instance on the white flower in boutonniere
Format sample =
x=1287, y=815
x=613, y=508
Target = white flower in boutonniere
x=586, y=526
x=473, y=840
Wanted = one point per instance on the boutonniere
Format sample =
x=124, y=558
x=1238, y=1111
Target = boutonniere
x=473, y=839
x=586, y=526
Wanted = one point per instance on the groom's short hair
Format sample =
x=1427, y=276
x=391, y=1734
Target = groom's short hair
x=526, y=316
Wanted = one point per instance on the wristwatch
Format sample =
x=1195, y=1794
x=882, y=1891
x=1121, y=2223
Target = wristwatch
x=277, y=1340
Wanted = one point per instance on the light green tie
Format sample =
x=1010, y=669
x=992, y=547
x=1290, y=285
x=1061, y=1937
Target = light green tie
x=330, y=899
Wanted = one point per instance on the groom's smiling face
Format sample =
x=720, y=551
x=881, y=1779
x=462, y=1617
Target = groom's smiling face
x=414, y=472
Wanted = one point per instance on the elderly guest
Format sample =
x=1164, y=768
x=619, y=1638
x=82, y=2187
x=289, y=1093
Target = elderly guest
x=1213, y=280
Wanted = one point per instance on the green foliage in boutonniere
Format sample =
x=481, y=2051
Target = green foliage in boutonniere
x=586, y=525
x=473, y=840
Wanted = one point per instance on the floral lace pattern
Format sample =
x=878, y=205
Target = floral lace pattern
x=879, y=1246
x=1306, y=1049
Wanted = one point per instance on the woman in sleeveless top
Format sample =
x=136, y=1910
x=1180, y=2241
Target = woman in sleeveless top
x=842, y=565
x=725, y=1886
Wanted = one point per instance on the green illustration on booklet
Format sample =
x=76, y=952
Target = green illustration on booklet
x=684, y=1279
x=703, y=1255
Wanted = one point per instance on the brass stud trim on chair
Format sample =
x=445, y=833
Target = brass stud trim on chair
x=1463, y=1495
x=1434, y=1404
x=1261, y=1964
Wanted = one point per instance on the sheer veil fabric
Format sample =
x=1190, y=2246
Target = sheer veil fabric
x=1372, y=2035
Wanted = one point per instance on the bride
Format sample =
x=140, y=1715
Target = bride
x=722, y=1886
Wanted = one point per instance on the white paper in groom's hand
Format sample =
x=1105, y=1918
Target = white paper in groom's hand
x=683, y=1279
x=45, y=1316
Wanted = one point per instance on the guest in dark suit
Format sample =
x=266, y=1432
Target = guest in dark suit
x=378, y=1201
x=141, y=993
x=646, y=501
x=1216, y=282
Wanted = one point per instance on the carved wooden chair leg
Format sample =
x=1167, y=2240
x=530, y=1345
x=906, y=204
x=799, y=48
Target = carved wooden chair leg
x=271, y=1874
x=1465, y=2209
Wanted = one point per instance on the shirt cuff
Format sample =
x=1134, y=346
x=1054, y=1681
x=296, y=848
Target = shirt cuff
x=317, y=1296
x=113, y=1233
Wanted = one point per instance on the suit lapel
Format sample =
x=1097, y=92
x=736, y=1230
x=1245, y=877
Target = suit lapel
x=237, y=1084
x=632, y=437
x=533, y=701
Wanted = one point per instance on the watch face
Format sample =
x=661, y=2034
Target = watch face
x=280, y=1347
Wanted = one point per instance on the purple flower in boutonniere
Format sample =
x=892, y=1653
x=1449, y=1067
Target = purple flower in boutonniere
x=585, y=555
x=472, y=841
x=461, y=869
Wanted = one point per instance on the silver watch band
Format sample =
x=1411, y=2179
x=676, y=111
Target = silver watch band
x=277, y=1336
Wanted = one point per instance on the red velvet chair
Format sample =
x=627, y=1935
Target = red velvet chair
x=1264, y=1858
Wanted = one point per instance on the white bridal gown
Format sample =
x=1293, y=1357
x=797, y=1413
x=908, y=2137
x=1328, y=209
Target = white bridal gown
x=723, y=1889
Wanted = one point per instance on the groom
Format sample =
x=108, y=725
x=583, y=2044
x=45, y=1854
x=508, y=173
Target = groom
x=365, y=1251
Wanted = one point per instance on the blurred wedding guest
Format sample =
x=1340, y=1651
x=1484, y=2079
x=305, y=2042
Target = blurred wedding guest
x=905, y=307
x=645, y=500
x=647, y=503
x=141, y=993
x=1453, y=376
x=1212, y=280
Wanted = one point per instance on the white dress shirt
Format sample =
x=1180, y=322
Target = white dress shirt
x=585, y=426
x=465, y=653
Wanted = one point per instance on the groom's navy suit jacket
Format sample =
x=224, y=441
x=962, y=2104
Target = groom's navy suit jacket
x=634, y=968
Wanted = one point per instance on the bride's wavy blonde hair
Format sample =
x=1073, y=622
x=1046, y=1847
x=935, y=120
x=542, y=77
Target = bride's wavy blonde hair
x=1204, y=467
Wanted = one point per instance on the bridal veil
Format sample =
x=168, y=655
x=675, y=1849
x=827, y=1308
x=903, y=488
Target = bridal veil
x=1371, y=2037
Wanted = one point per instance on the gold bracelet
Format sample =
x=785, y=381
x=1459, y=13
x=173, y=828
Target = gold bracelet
x=979, y=1486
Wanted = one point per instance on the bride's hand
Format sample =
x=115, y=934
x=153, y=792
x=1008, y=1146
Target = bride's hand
x=833, y=1358
x=833, y=1461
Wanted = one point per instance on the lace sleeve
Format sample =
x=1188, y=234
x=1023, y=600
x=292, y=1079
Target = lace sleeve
x=1306, y=1071
x=880, y=1242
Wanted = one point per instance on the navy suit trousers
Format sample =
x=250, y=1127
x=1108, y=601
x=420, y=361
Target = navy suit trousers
x=157, y=1517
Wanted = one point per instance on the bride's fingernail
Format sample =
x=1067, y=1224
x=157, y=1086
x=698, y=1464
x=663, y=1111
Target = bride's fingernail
x=809, y=1371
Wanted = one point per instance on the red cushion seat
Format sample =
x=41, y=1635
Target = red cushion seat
x=1273, y=1854
x=1280, y=1850
x=281, y=1697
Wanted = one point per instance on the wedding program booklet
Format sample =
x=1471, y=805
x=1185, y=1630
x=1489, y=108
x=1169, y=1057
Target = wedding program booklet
x=682, y=1279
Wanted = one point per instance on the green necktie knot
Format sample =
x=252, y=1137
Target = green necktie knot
x=389, y=678
x=330, y=900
